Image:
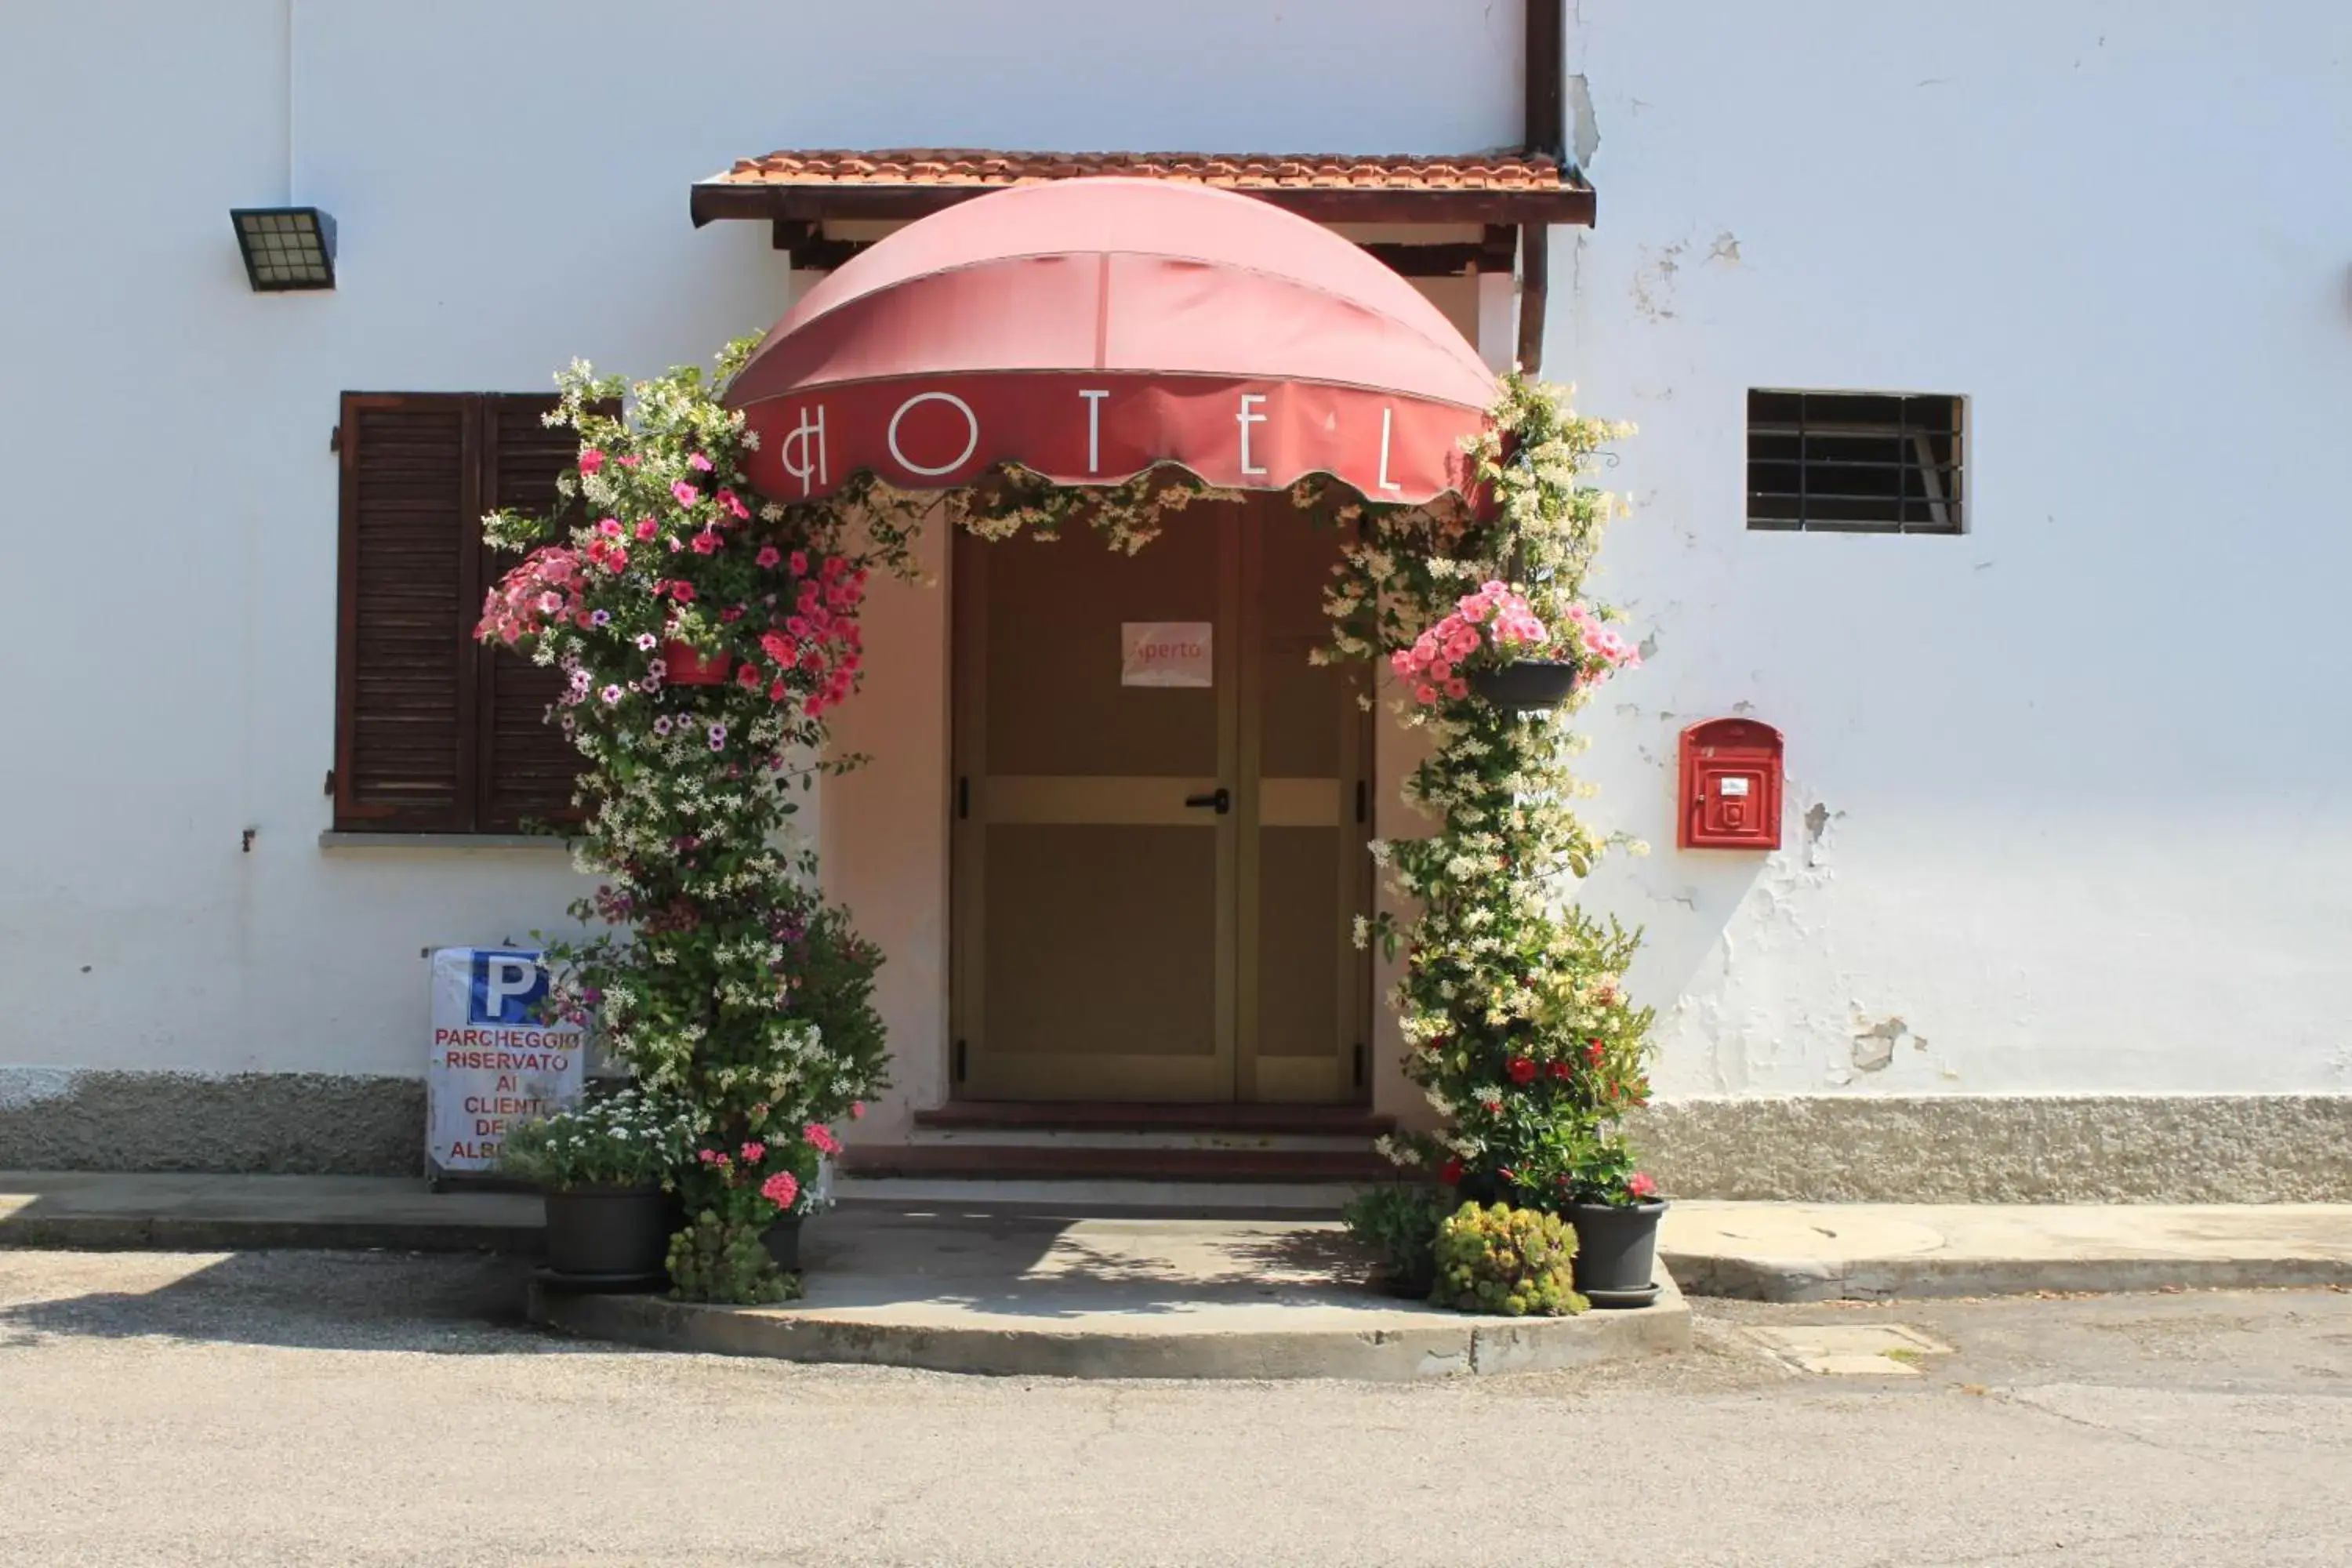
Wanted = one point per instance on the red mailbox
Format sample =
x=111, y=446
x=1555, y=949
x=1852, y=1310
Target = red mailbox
x=1730, y=786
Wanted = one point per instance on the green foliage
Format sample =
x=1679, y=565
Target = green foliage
x=621, y=1139
x=717, y=975
x=719, y=1256
x=1516, y=1023
x=1400, y=1221
x=1512, y=1261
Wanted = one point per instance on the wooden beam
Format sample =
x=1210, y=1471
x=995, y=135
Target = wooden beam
x=1491, y=254
x=1535, y=280
x=806, y=242
x=1546, y=107
x=1565, y=203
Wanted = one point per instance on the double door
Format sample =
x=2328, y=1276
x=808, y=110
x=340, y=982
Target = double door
x=1159, y=817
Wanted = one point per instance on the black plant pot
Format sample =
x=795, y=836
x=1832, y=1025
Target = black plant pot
x=1617, y=1252
x=608, y=1235
x=1412, y=1284
x=1526, y=685
x=782, y=1240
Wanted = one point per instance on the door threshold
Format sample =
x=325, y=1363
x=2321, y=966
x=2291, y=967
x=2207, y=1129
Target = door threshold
x=1114, y=1116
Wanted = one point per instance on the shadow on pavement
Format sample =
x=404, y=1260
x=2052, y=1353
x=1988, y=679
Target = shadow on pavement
x=308, y=1300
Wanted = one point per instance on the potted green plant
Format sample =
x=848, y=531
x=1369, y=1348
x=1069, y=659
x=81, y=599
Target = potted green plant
x=1616, y=1213
x=1399, y=1222
x=1513, y=1262
x=605, y=1170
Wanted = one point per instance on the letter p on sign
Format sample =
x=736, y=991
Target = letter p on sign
x=505, y=985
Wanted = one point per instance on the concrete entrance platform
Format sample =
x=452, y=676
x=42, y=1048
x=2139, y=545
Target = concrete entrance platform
x=1767, y=1251
x=1825, y=1252
x=1029, y=1293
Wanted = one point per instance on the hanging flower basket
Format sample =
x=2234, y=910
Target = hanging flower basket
x=685, y=664
x=1526, y=685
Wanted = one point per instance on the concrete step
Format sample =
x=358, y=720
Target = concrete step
x=1043, y=1160
x=1224, y=1118
x=1095, y=1197
x=1140, y=1138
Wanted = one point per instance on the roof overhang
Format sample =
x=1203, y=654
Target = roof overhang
x=1512, y=188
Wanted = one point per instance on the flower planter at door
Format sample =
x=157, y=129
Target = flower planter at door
x=782, y=1240
x=1526, y=685
x=1616, y=1252
x=683, y=664
x=613, y=1236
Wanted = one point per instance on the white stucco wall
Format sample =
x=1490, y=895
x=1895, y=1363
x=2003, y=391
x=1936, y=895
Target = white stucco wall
x=509, y=182
x=2083, y=772
x=2070, y=841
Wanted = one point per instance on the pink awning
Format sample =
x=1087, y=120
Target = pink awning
x=1092, y=328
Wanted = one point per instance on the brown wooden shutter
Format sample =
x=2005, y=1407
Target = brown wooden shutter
x=527, y=765
x=410, y=591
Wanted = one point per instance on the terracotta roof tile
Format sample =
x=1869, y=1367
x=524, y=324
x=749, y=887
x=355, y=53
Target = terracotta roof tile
x=1508, y=171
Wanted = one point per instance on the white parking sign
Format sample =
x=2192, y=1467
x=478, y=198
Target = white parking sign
x=493, y=1063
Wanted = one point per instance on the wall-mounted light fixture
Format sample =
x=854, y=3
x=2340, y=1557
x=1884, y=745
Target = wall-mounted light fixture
x=286, y=247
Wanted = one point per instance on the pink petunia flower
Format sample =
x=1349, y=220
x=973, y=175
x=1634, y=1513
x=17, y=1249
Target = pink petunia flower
x=646, y=528
x=685, y=493
x=768, y=557
x=705, y=542
x=591, y=459
x=700, y=463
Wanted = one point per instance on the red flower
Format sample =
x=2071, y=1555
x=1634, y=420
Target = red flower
x=1560, y=1069
x=748, y=676
x=1641, y=1186
x=776, y=647
x=682, y=592
x=1450, y=1172
x=1592, y=1052
x=591, y=459
x=1522, y=1070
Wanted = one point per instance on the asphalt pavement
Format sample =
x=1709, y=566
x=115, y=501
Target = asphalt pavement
x=380, y=1408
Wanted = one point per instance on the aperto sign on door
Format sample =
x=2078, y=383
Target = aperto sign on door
x=1166, y=653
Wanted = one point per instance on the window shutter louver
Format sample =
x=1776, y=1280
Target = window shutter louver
x=528, y=765
x=433, y=732
x=410, y=590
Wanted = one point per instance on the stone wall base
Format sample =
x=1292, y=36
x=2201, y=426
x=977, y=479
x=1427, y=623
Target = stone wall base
x=1823, y=1149
x=2041, y=1149
x=291, y=1123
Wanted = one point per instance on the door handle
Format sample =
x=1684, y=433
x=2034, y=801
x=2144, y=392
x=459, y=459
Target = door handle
x=1220, y=801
